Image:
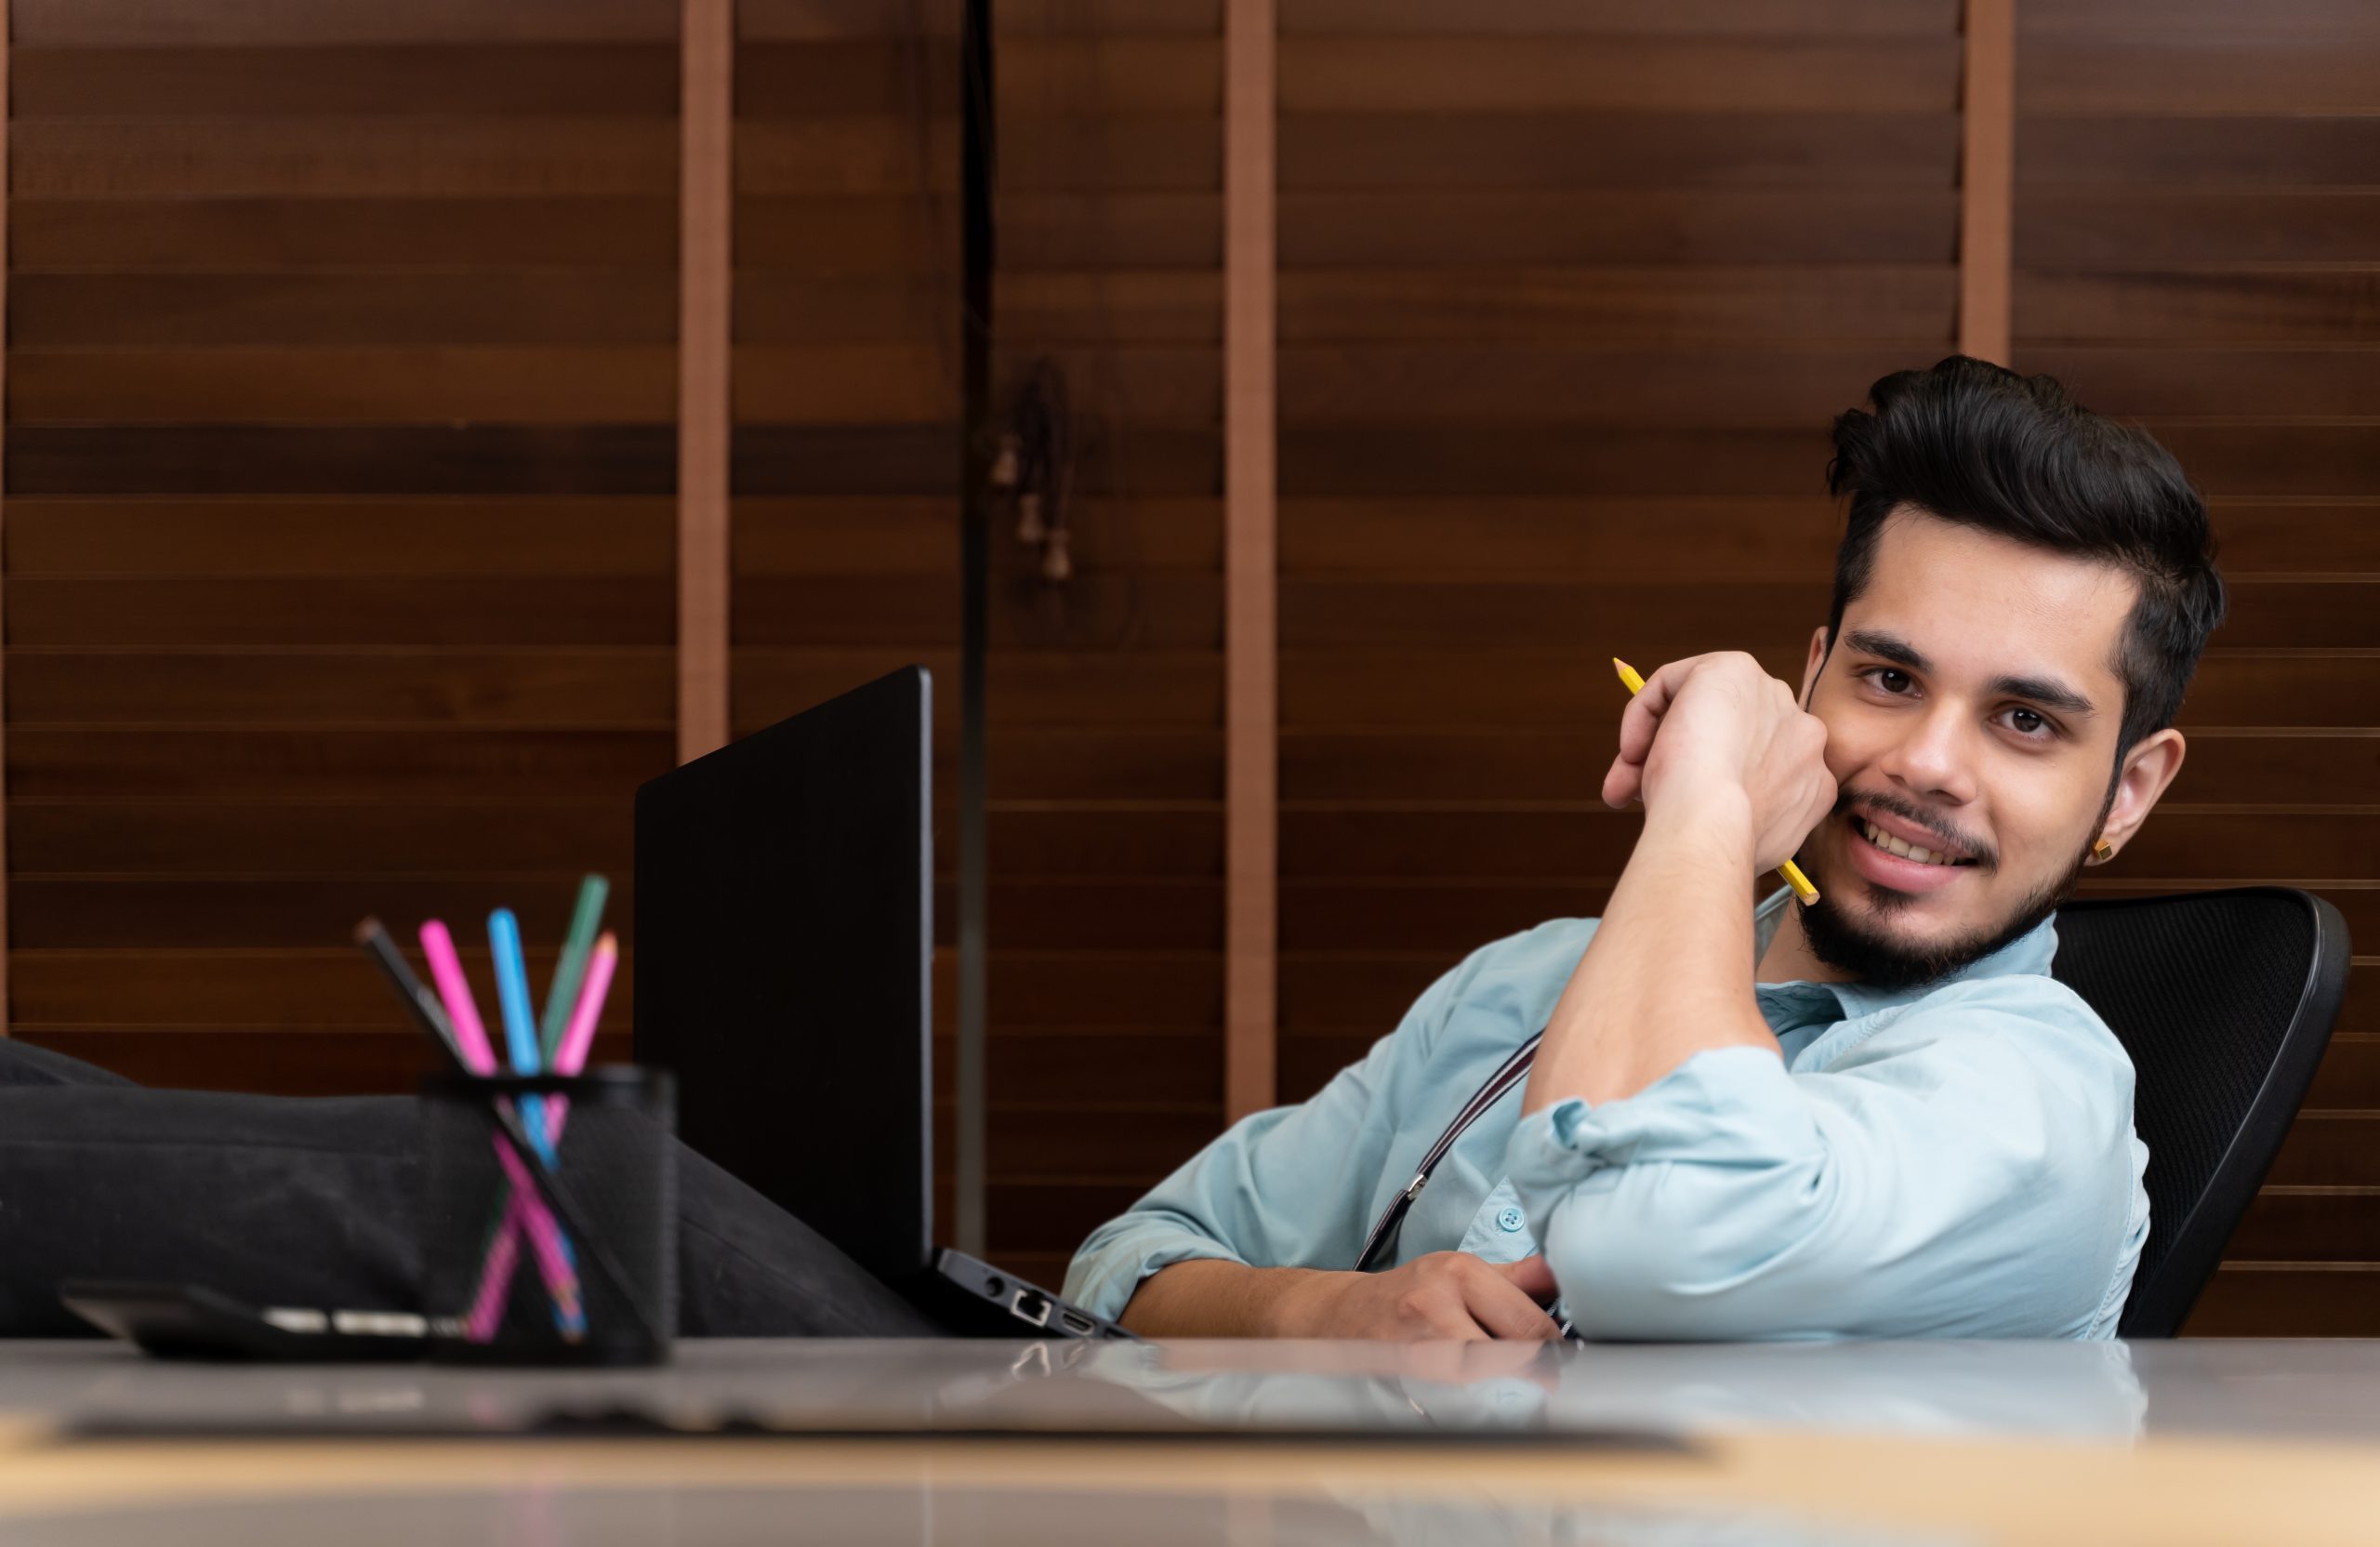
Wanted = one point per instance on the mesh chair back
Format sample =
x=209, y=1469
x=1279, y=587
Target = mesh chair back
x=2225, y=1001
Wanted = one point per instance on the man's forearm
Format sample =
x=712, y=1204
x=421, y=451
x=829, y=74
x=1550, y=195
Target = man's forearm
x=1213, y=1298
x=1669, y=973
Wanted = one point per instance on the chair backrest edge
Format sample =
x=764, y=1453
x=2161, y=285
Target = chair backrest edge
x=2158, y=1309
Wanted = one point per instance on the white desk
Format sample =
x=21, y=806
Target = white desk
x=1321, y=1444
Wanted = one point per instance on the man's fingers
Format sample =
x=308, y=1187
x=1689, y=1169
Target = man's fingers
x=1505, y=1310
x=1622, y=783
x=1531, y=1277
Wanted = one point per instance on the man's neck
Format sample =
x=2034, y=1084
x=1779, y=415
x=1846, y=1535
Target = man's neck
x=1789, y=958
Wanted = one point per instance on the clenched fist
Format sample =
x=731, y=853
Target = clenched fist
x=1709, y=726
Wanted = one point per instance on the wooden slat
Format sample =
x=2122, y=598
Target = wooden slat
x=207, y=764
x=869, y=156
x=331, y=386
x=2267, y=1299
x=1692, y=18
x=477, y=81
x=1987, y=174
x=2283, y=305
x=1705, y=305
x=378, y=459
x=235, y=236
x=1117, y=78
x=1526, y=460
x=87, y=838
x=2325, y=380
x=1111, y=231
x=1250, y=639
x=1128, y=614
x=492, y=307
x=865, y=537
x=2132, y=228
x=272, y=912
x=844, y=77
x=163, y=23
x=7, y=30
x=2191, y=152
x=707, y=32
x=563, y=688
x=1448, y=382
x=1656, y=150
x=2243, y=74
x=1177, y=153
x=344, y=157
x=547, y=537
x=300, y=612
x=1849, y=225
x=184, y=991
x=1521, y=614
x=844, y=237
x=1539, y=74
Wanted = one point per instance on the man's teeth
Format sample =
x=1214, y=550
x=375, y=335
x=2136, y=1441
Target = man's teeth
x=1903, y=847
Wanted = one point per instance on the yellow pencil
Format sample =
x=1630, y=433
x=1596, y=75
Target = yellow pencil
x=1790, y=871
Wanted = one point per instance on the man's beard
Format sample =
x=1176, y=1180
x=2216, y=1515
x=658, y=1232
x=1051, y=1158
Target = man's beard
x=1873, y=957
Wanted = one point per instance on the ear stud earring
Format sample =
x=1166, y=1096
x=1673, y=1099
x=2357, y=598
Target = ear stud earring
x=2103, y=851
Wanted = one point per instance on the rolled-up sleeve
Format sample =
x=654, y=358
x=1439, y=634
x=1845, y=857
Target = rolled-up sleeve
x=1967, y=1170
x=1283, y=1188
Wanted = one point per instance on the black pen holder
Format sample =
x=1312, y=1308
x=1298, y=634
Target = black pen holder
x=549, y=1218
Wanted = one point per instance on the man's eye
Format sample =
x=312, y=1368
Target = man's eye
x=1890, y=679
x=2025, y=723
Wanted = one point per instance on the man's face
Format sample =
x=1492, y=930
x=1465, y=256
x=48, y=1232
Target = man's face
x=1972, y=709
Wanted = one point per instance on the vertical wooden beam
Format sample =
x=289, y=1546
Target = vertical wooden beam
x=705, y=209
x=7, y=24
x=1987, y=178
x=1250, y=660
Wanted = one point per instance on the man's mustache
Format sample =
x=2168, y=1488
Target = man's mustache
x=1986, y=857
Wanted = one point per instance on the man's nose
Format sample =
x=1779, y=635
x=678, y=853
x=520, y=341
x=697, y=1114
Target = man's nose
x=1937, y=757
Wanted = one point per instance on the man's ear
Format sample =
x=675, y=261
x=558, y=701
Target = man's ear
x=1810, y=668
x=2148, y=769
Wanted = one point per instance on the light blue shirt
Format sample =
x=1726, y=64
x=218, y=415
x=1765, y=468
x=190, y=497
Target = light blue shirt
x=1952, y=1161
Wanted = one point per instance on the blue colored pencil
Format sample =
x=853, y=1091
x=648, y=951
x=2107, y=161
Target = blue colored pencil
x=512, y=992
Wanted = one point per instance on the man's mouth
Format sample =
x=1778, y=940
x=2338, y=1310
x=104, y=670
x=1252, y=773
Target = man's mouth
x=1893, y=843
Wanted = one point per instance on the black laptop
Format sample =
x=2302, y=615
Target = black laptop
x=783, y=970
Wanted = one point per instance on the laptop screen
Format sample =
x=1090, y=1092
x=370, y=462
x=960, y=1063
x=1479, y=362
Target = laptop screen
x=784, y=958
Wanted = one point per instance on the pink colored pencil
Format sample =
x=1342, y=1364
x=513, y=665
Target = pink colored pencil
x=580, y=1038
x=447, y=971
x=470, y=1036
x=496, y=1278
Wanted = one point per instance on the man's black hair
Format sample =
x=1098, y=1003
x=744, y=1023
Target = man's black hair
x=1977, y=443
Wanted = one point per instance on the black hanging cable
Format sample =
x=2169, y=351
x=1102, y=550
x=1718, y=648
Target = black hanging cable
x=974, y=552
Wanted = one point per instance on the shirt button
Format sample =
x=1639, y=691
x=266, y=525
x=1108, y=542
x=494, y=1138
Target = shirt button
x=1509, y=1219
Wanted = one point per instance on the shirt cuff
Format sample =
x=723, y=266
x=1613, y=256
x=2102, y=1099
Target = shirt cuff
x=1722, y=1104
x=1102, y=1278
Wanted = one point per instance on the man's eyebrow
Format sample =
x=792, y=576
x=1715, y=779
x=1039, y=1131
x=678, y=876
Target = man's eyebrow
x=1889, y=647
x=2048, y=692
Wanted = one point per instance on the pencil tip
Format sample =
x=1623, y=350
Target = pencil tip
x=367, y=929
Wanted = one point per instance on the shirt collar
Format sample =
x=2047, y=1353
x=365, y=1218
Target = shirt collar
x=2029, y=954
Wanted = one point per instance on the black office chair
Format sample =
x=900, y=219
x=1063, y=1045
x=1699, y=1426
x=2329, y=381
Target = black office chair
x=2225, y=1001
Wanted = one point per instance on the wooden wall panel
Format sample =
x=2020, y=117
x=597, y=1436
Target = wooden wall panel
x=1567, y=296
x=1105, y=693
x=2196, y=244
x=338, y=552
x=1108, y=203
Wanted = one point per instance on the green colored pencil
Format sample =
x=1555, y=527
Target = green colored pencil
x=571, y=970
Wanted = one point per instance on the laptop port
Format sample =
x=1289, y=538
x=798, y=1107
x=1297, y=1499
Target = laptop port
x=1032, y=1307
x=1074, y=1322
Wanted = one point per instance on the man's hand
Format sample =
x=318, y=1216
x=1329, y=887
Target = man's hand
x=1711, y=725
x=1446, y=1294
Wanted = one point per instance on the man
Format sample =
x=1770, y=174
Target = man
x=1874, y=1115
